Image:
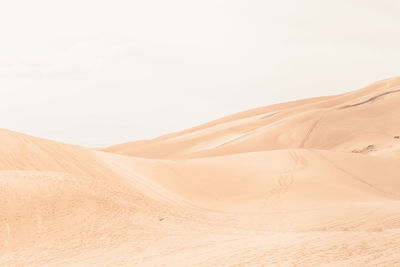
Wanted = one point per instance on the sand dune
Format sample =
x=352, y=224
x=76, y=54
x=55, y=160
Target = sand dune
x=309, y=183
x=348, y=122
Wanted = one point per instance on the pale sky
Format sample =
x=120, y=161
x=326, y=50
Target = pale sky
x=100, y=72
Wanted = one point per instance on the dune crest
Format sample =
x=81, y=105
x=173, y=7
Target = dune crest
x=344, y=123
x=313, y=182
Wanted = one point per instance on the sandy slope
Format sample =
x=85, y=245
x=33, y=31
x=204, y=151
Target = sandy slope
x=349, y=122
x=308, y=183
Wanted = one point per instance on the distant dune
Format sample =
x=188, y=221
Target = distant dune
x=314, y=182
x=347, y=122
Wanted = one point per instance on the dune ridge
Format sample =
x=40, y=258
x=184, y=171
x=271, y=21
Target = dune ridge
x=326, y=123
x=313, y=182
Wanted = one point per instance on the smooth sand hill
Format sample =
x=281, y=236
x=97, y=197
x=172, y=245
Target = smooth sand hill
x=309, y=183
x=366, y=121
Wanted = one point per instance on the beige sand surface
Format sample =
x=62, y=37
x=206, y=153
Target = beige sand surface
x=314, y=182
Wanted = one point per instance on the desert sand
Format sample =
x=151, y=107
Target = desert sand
x=314, y=182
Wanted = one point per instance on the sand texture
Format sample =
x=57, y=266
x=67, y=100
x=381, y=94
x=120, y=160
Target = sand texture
x=314, y=182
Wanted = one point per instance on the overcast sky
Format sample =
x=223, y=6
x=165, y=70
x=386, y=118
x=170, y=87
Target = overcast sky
x=99, y=72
